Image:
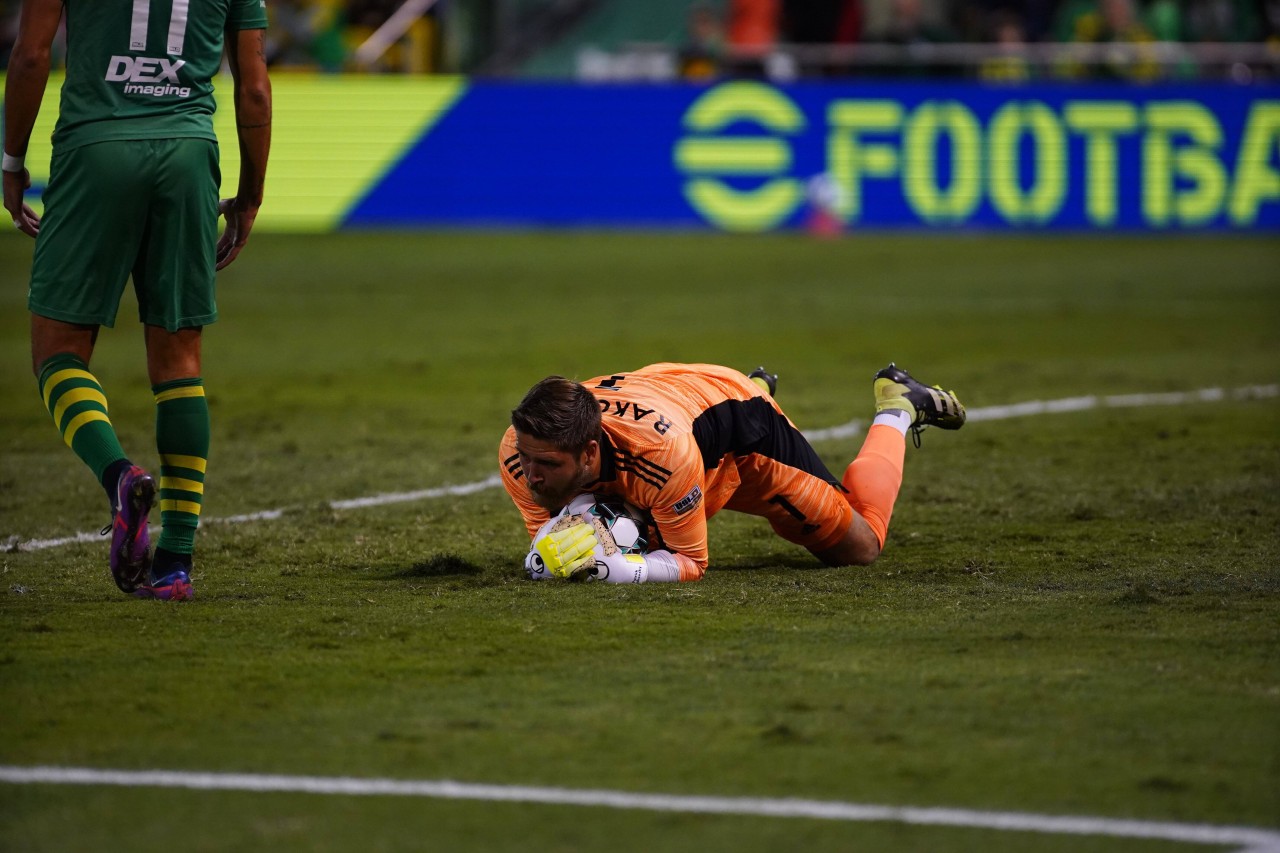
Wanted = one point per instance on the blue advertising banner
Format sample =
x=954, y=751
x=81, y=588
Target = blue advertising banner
x=747, y=156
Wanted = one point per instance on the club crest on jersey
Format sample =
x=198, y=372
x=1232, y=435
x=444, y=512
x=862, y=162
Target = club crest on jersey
x=689, y=501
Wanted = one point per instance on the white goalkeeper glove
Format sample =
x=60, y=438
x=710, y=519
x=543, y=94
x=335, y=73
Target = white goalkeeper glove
x=651, y=567
x=534, y=568
x=619, y=568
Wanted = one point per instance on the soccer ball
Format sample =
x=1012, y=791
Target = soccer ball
x=620, y=527
x=623, y=523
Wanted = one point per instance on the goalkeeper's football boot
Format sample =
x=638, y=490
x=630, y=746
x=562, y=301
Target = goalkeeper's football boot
x=928, y=406
x=130, y=557
x=766, y=380
x=174, y=586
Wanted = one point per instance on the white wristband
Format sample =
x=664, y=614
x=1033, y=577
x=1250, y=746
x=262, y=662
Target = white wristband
x=13, y=164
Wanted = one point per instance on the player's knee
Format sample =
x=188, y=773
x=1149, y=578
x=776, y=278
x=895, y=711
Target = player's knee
x=859, y=547
x=847, y=554
x=173, y=355
x=864, y=554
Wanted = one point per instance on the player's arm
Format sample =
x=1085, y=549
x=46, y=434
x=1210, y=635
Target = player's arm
x=576, y=550
x=678, y=511
x=247, y=58
x=679, y=508
x=681, y=523
x=572, y=547
x=25, y=81
x=684, y=533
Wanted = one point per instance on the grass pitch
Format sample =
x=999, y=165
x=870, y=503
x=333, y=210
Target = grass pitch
x=1075, y=614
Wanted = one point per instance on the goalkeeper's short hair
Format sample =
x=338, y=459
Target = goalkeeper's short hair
x=559, y=411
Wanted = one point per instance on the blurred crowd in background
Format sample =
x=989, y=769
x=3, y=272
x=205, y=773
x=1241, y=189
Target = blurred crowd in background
x=989, y=39
x=995, y=40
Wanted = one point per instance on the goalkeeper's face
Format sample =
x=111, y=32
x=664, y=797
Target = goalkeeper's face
x=556, y=476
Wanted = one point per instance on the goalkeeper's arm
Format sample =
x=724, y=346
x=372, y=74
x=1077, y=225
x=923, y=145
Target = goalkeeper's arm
x=650, y=567
x=575, y=552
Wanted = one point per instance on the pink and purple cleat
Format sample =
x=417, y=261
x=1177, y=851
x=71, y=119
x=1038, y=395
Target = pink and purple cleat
x=130, y=540
x=130, y=557
x=175, y=586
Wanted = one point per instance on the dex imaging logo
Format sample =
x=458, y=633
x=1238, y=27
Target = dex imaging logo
x=146, y=75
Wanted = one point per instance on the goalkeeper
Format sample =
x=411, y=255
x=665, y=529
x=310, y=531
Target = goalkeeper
x=684, y=441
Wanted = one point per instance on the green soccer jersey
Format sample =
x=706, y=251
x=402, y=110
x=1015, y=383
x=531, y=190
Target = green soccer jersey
x=143, y=69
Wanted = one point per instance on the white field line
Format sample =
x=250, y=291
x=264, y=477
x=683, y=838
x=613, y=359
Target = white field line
x=847, y=430
x=1078, y=404
x=1243, y=838
x=271, y=514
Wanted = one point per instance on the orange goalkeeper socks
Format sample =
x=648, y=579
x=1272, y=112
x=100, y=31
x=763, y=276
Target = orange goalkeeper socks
x=874, y=478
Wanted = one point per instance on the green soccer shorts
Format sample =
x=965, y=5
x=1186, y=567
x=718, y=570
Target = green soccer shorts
x=142, y=207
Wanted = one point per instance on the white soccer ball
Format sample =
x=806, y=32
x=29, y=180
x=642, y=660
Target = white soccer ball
x=624, y=523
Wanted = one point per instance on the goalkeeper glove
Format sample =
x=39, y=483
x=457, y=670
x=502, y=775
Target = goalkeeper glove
x=566, y=552
x=653, y=567
x=534, y=568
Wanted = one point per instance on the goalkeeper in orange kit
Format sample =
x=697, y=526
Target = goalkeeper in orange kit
x=684, y=441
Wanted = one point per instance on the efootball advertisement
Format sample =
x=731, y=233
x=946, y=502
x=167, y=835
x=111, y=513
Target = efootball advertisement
x=749, y=156
x=746, y=156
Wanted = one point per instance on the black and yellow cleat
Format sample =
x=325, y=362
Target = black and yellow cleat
x=928, y=406
x=766, y=380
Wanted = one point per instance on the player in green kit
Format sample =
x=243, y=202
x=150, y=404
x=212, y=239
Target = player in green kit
x=133, y=192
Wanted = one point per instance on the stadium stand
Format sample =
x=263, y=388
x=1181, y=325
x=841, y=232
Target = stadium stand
x=990, y=40
x=592, y=40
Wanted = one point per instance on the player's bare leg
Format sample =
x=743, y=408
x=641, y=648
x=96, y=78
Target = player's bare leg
x=51, y=337
x=173, y=355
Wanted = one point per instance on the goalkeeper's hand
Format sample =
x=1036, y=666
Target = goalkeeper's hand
x=567, y=552
x=619, y=568
x=652, y=567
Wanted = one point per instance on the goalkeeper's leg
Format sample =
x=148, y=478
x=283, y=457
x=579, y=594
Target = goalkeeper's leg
x=872, y=481
x=863, y=504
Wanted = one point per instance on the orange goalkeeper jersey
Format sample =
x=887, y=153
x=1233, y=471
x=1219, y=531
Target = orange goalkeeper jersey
x=672, y=434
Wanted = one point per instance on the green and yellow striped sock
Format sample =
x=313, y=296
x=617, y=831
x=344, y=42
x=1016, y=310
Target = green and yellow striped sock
x=79, y=408
x=182, y=438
